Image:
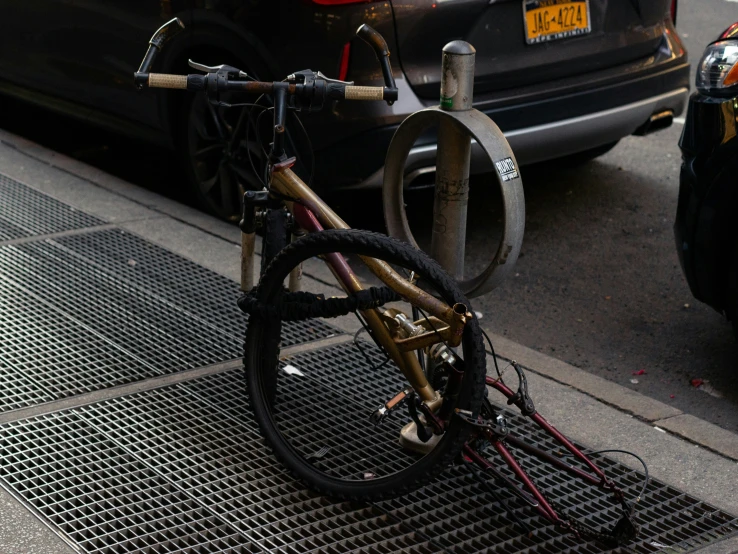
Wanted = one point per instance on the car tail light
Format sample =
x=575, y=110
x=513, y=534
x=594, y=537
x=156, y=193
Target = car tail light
x=343, y=64
x=717, y=71
x=673, y=10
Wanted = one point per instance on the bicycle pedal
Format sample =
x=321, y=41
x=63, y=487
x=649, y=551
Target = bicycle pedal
x=410, y=441
x=386, y=410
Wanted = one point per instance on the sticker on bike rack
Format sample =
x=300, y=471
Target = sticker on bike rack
x=507, y=169
x=292, y=370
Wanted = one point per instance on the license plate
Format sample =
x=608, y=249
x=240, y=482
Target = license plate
x=554, y=19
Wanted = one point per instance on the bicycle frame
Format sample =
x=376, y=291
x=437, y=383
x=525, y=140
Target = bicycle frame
x=313, y=215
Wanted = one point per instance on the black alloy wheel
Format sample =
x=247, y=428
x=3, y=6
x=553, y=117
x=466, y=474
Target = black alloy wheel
x=217, y=151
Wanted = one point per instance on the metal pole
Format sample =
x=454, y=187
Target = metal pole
x=295, y=281
x=247, y=261
x=452, y=160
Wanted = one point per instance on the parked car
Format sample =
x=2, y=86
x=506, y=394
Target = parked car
x=705, y=229
x=558, y=76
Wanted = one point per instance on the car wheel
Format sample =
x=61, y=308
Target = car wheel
x=215, y=150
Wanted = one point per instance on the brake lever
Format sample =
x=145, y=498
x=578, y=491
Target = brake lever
x=217, y=75
x=216, y=69
x=329, y=80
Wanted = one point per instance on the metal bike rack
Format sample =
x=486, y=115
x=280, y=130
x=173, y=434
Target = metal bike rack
x=458, y=124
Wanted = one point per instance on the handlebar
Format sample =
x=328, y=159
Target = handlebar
x=331, y=90
x=376, y=41
x=309, y=88
x=162, y=35
x=303, y=90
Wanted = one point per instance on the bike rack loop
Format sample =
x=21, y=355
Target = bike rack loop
x=458, y=123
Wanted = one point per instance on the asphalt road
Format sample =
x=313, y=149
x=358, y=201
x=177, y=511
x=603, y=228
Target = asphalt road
x=598, y=283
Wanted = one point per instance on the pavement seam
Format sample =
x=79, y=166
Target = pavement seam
x=60, y=234
x=100, y=395
x=625, y=411
x=567, y=384
x=699, y=444
x=685, y=428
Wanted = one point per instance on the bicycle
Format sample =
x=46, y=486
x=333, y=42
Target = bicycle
x=424, y=406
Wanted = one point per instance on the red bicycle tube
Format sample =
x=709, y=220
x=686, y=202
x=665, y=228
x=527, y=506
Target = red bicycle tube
x=307, y=220
x=479, y=460
x=498, y=385
x=550, y=514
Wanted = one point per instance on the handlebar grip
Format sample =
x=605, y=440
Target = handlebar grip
x=377, y=42
x=166, y=32
x=364, y=93
x=373, y=39
x=161, y=36
x=166, y=80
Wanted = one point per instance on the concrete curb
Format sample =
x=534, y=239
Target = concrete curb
x=652, y=411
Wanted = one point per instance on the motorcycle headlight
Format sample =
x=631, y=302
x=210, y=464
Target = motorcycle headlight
x=717, y=71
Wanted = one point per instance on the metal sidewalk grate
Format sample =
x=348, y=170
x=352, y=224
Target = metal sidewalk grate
x=94, y=310
x=25, y=212
x=182, y=468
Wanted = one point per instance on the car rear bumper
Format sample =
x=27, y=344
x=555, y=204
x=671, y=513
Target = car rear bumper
x=560, y=138
x=549, y=127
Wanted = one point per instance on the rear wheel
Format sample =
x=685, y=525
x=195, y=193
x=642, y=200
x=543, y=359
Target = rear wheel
x=315, y=408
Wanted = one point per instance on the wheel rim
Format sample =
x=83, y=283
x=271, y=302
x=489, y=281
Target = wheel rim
x=218, y=152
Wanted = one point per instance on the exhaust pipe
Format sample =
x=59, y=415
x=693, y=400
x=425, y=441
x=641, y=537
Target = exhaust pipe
x=657, y=121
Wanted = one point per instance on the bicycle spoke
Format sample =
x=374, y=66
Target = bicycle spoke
x=217, y=121
x=207, y=185
x=213, y=148
x=227, y=190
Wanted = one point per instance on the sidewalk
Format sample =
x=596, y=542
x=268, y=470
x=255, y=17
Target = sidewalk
x=149, y=364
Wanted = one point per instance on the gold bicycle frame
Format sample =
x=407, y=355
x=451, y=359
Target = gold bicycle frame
x=401, y=350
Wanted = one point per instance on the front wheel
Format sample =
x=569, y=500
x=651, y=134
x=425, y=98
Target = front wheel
x=315, y=408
